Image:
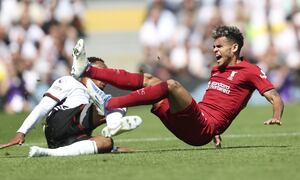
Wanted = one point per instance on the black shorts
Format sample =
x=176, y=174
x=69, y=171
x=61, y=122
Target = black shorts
x=64, y=127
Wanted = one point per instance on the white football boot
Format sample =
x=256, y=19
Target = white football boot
x=36, y=151
x=80, y=62
x=99, y=97
x=127, y=123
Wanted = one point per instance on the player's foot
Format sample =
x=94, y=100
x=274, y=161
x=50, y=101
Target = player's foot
x=36, y=151
x=99, y=98
x=80, y=62
x=127, y=123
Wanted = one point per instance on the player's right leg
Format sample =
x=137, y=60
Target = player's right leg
x=144, y=96
x=116, y=123
x=98, y=96
x=179, y=98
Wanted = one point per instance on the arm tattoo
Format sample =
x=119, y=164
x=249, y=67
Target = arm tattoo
x=273, y=92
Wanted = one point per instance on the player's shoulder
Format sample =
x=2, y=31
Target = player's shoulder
x=253, y=71
x=250, y=67
x=66, y=81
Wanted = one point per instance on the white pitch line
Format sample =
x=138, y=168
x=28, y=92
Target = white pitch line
x=152, y=139
x=225, y=136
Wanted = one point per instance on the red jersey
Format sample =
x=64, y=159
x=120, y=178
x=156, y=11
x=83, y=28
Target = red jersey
x=229, y=91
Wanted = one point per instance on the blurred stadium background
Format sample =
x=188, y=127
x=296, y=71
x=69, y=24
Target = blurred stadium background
x=37, y=37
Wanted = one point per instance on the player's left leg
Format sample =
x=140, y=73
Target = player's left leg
x=117, y=77
x=94, y=145
x=106, y=145
x=77, y=148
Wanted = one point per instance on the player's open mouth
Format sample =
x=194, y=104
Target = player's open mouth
x=218, y=57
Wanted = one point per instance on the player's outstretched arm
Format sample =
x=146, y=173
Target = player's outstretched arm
x=36, y=115
x=274, y=98
x=18, y=139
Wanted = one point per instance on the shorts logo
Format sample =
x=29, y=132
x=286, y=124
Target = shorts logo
x=232, y=75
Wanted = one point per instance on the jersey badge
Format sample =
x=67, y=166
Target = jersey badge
x=232, y=75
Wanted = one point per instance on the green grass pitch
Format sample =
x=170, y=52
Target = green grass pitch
x=250, y=150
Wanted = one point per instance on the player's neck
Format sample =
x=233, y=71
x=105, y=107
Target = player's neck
x=235, y=60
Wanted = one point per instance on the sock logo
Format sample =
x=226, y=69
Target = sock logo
x=141, y=91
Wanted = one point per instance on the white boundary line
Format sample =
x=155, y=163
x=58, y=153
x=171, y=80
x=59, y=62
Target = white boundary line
x=152, y=139
x=225, y=136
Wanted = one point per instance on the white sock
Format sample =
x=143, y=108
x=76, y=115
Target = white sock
x=113, y=119
x=77, y=148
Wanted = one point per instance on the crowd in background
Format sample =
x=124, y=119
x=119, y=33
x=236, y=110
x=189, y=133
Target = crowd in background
x=36, y=41
x=37, y=37
x=177, y=43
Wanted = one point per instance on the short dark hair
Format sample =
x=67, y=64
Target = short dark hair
x=95, y=59
x=230, y=32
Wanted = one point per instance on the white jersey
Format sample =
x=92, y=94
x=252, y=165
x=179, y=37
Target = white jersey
x=66, y=92
x=70, y=92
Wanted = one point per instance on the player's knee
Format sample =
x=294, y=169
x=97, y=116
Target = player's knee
x=149, y=80
x=173, y=85
x=104, y=144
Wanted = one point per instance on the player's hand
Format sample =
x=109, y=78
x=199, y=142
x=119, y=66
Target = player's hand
x=18, y=139
x=273, y=121
x=217, y=141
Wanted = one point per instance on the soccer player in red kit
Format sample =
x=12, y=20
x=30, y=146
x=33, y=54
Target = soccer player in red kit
x=230, y=87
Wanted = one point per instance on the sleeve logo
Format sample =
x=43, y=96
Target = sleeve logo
x=263, y=74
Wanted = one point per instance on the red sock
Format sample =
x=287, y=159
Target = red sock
x=116, y=77
x=144, y=96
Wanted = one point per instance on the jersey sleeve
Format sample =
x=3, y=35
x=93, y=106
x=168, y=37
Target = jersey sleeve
x=259, y=80
x=59, y=89
x=36, y=115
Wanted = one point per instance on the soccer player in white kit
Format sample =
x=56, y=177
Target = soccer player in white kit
x=71, y=118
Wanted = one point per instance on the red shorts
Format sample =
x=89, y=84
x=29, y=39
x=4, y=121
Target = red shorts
x=188, y=125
